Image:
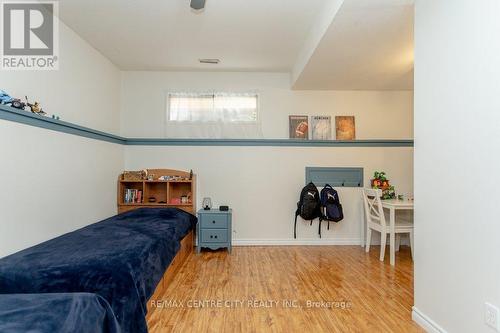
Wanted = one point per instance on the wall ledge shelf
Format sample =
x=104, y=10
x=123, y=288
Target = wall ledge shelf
x=25, y=117
x=268, y=142
x=28, y=118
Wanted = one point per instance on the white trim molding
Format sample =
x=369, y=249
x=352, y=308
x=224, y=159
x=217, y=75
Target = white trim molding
x=288, y=242
x=425, y=322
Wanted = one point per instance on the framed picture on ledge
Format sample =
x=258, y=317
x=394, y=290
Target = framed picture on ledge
x=345, y=128
x=321, y=127
x=298, y=127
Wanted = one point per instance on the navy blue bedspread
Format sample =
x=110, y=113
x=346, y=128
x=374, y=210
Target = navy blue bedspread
x=56, y=313
x=121, y=259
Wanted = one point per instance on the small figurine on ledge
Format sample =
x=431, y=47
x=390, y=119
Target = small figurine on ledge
x=35, y=107
x=16, y=103
x=5, y=98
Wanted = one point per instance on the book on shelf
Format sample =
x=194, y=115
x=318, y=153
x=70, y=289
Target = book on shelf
x=133, y=196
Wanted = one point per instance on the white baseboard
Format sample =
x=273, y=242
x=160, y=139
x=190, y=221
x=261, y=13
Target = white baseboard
x=287, y=242
x=307, y=241
x=425, y=322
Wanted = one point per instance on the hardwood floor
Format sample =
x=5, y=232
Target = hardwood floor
x=267, y=289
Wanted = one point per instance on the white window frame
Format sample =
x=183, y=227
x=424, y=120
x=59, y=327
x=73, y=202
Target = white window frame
x=167, y=101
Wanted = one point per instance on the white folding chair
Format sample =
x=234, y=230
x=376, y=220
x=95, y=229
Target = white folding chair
x=375, y=220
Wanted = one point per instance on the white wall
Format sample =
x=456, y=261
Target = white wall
x=85, y=90
x=86, y=74
x=379, y=114
x=262, y=184
x=248, y=178
x=53, y=182
x=457, y=125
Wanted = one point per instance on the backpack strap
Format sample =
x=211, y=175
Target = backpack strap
x=319, y=231
x=295, y=224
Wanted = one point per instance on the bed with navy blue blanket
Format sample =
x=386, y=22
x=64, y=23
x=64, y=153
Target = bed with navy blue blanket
x=121, y=259
x=57, y=312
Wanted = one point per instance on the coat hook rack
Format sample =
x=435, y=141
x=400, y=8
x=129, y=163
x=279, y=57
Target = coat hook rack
x=337, y=176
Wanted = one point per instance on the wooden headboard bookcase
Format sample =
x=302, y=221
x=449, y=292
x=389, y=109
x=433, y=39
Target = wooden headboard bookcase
x=157, y=188
x=152, y=188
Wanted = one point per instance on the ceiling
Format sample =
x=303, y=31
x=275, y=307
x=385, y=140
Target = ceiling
x=368, y=46
x=255, y=35
x=357, y=45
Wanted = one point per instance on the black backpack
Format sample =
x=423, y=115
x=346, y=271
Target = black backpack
x=309, y=206
x=331, y=207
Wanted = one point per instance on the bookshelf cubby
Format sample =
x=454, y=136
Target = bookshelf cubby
x=163, y=193
x=158, y=191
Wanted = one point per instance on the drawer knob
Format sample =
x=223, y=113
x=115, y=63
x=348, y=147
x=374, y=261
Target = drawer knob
x=213, y=222
x=215, y=236
x=211, y=236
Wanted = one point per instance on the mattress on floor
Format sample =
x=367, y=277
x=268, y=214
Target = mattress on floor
x=121, y=259
x=56, y=313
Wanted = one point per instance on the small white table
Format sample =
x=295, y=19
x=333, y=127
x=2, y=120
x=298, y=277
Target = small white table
x=393, y=205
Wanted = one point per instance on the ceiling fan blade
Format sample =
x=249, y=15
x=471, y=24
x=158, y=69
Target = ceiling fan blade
x=197, y=4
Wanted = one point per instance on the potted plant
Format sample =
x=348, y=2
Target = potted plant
x=389, y=193
x=380, y=181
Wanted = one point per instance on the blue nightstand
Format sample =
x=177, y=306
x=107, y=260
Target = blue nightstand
x=214, y=229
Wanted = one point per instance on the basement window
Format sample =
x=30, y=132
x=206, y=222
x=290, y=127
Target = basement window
x=212, y=107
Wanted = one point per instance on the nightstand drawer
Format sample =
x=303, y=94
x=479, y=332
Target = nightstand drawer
x=214, y=235
x=215, y=221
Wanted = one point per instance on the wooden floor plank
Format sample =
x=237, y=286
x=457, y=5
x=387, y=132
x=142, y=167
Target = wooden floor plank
x=268, y=289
